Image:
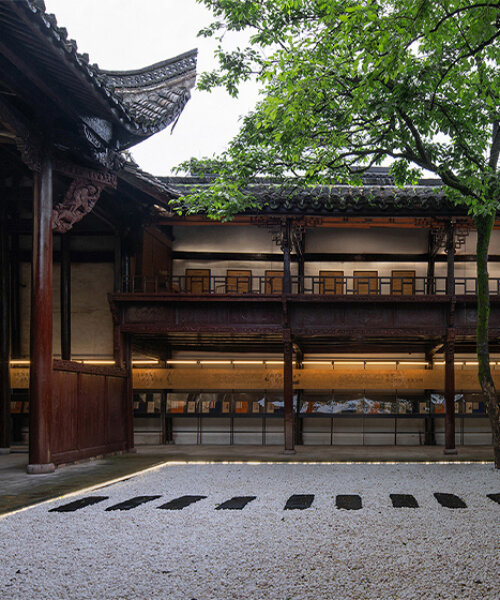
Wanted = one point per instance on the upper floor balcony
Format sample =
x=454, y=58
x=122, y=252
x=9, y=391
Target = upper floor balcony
x=199, y=282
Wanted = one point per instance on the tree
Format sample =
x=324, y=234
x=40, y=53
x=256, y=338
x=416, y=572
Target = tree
x=348, y=84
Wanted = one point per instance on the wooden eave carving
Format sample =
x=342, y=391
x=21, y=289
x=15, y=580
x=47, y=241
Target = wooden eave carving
x=81, y=197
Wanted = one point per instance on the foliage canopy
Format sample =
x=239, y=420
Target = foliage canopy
x=348, y=84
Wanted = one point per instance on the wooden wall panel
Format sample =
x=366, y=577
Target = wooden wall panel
x=116, y=425
x=92, y=411
x=64, y=414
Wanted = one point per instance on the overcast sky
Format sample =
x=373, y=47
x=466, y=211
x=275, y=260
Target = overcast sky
x=130, y=34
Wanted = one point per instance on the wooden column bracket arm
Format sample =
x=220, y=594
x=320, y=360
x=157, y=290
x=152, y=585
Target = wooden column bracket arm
x=80, y=199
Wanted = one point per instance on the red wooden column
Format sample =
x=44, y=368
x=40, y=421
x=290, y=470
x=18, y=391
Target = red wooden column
x=41, y=323
x=4, y=329
x=288, y=393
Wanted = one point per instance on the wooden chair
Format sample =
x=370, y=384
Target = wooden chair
x=274, y=282
x=403, y=283
x=331, y=282
x=365, y=282
x=238, y=282
x=197, y=281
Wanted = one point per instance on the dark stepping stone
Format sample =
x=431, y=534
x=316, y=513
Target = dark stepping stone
x=299, y=502
x=77, y=504
x=348, y=501
x=403, y=501
x=181, y=502
x=450, y=500
x=132, y=503
x=236, y=503
x=494, y=497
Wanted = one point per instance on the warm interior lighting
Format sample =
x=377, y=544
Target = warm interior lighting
x=98, y=362
x=473, y=362
x=317, y=362
x=182, y=362
x=381, y=362
x=148, y=361
x=215, y=362
x=19, y=362
x=274, y=362
x=349, y=362
x=248, y=362
x=413, y=362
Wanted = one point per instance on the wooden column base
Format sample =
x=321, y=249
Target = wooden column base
x=40, y=469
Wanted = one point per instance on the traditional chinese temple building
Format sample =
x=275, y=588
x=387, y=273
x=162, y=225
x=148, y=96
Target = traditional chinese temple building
x=331, y=315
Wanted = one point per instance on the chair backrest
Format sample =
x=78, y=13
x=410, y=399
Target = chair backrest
x=197, y=281
x=331, y=282
x=274, y=282
x=238, y=281
x=403, y=282
x=365, y=282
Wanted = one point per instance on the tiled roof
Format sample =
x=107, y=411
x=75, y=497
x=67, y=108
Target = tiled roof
x=377, y=196
x=143, y=101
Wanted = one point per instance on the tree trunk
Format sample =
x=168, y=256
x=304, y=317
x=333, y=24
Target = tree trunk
x=484, y=226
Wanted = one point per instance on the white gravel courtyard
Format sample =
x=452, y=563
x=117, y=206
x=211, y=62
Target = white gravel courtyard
x=377, y=552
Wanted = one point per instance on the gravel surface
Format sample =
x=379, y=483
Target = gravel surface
x=262, y=551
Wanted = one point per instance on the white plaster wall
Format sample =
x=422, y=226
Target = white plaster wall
x=230, y=238
x=91, y=323
x=367, y=241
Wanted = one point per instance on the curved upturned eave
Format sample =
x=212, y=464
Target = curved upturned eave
x=99, y=85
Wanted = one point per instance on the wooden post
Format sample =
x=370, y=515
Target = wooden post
x=431, y=263
x=41, y=323
x=126, y=284
x=129, y=402
x=4, y=329
x=288, y=393
x=65, y=293
x=287, y=278
x=15, y=278
x=117, y=264
x=449, y=353
x=301, y=265
x=450, y=252
x=449, y=394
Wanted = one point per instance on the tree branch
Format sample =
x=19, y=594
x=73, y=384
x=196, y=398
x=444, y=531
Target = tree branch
x=460, y=10
x=495, y=146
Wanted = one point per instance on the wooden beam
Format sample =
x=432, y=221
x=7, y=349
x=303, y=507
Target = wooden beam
x=41, y=323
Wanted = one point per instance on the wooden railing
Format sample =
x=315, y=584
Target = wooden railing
x=309, y=285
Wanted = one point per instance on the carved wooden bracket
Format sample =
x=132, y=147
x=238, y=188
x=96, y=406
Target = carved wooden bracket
x=82, y=195
x=79, y=201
